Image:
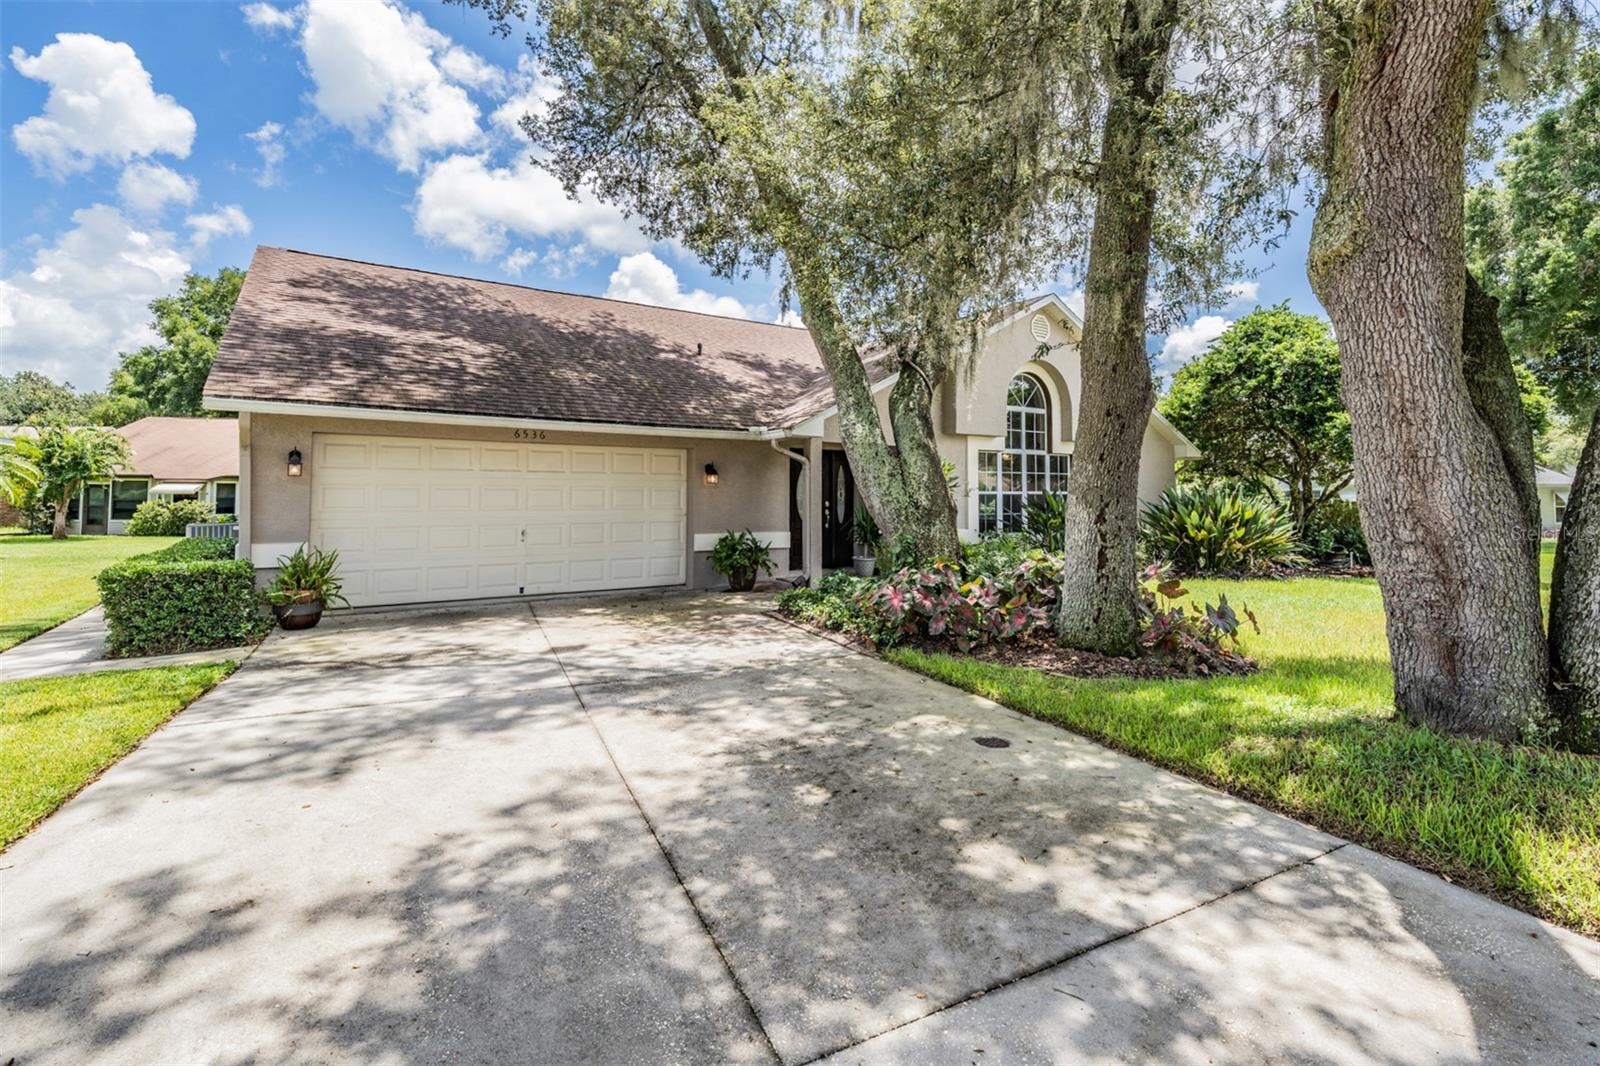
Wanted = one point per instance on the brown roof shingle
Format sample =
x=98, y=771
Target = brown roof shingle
x=319, y=330
x=183, y=449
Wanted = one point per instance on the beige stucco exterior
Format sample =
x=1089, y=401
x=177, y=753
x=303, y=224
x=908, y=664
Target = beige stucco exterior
x=753, y=484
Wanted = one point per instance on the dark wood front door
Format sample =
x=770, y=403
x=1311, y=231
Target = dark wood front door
x=96, y=504
x=838, y=510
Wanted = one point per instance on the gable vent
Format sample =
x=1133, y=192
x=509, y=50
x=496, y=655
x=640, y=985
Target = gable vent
x=1041, y=328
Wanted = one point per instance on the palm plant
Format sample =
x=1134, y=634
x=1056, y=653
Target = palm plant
x=1197, y=529
x=65, y=457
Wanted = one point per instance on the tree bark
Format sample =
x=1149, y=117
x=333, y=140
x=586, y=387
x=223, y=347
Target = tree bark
x=1442, y=512
x=1575, y=607
x=1492, y=384
x=58, y=531
x=1099, y=601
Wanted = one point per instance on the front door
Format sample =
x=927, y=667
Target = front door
x=96, y=503
x=838, y=510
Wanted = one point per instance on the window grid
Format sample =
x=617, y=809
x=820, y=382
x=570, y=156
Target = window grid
x=1025, y=467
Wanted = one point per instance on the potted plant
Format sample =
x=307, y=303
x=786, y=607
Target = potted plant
x=868, y=540
x=737, y=556
x=305, y=584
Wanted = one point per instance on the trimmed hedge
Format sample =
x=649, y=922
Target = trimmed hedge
x=168, y=518
x=190, y=596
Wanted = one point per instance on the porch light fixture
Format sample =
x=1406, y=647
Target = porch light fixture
x=294, y=462
x=712, y=477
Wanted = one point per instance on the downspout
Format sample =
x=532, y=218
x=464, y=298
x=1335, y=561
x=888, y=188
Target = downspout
x=805, y=479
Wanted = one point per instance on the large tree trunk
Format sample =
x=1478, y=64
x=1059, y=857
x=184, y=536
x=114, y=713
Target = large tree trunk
x=1441, y=510
x=1575, y=606
x=59, y=530
x=1099, y=601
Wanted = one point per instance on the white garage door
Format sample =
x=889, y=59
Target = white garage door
x=416, y=519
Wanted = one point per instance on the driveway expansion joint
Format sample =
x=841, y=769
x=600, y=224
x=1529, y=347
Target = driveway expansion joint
x=1079, y=953
x=677, y=875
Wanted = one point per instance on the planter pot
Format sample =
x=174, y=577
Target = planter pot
x=742, y=580
x=298, y=615
x=865, y=565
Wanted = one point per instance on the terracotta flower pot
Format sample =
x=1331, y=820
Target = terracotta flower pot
x=298, y=615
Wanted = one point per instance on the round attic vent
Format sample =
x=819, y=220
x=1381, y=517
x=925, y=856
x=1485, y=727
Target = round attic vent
x=1041, y=328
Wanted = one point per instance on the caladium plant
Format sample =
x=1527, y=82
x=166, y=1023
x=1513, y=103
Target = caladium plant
x=1206, y=635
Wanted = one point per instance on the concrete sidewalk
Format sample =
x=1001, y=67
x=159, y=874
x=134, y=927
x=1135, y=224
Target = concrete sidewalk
x=78, y=646
x=676, y=830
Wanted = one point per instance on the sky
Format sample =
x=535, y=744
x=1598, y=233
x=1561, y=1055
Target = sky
x=146, y=140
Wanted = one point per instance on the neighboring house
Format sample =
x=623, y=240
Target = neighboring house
x=1554, y=488
x=455, y=438
x=172, y=459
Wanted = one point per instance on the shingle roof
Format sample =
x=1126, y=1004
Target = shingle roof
x=183, y=449
x=318, y=330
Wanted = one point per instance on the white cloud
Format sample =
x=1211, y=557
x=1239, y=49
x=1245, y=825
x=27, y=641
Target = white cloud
x=269, y=142
x=1074, y=300
x=518, y=261
x=102, y=106
x=1186, y=342
x=85, y=297
x=224, y=220
x=530, y=94
x=1242, y=292
x=268, y=19
x=468, y=204
x=791, y=317
x=147, y=188
x=469, y=68
x=377, y=69
x=642, y=278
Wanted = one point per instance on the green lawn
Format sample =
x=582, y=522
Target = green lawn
x=1314, y=735
x=44, y=582
x=57, y=733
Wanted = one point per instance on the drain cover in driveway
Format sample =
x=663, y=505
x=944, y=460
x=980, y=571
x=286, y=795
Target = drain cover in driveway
x=993, y=742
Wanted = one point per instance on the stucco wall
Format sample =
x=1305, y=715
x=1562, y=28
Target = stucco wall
x=752, y=489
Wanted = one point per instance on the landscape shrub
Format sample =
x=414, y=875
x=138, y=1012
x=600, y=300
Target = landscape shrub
x=1045, y=520
x=168, y=518
x=937, y=602
x=1198, y=529
x=996, y=555
x=833, y=603
x=1206, y=637
x=187, y=597
x=1335, y=533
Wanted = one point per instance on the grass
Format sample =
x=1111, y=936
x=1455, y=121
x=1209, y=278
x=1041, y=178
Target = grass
x=44, y=582
x=1314, y=735
x=57, y=733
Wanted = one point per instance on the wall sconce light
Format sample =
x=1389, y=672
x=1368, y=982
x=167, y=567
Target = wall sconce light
x=711, y=474
x=294, y=462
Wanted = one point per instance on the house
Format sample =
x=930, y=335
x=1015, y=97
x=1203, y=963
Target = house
x=1554, y=488
x=455, y=438
x=172, y=459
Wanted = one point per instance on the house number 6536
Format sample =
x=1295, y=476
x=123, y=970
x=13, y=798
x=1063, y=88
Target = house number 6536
x=527, y=434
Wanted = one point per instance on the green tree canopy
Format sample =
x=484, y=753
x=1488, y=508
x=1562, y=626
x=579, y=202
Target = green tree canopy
x=167, y=378
x=1262, y=404
x=1533, y=239
x=28, y=395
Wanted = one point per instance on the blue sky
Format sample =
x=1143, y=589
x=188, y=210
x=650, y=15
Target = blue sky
x=142, y=140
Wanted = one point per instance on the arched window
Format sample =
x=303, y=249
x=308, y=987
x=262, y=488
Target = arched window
x=1025, y=467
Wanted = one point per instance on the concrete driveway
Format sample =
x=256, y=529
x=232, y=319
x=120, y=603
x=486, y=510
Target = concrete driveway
x=677, y=830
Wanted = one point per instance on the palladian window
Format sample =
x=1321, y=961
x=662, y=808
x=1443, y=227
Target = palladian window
x=1025, y=467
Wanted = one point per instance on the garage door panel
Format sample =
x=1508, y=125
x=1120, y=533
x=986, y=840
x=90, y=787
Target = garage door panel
x=449, y=498
x=500, y=498
x=500, y=458
x=417, y=519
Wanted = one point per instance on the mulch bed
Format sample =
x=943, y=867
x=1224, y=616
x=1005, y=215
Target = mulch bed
x=1038, y=650
x=1325, y=568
